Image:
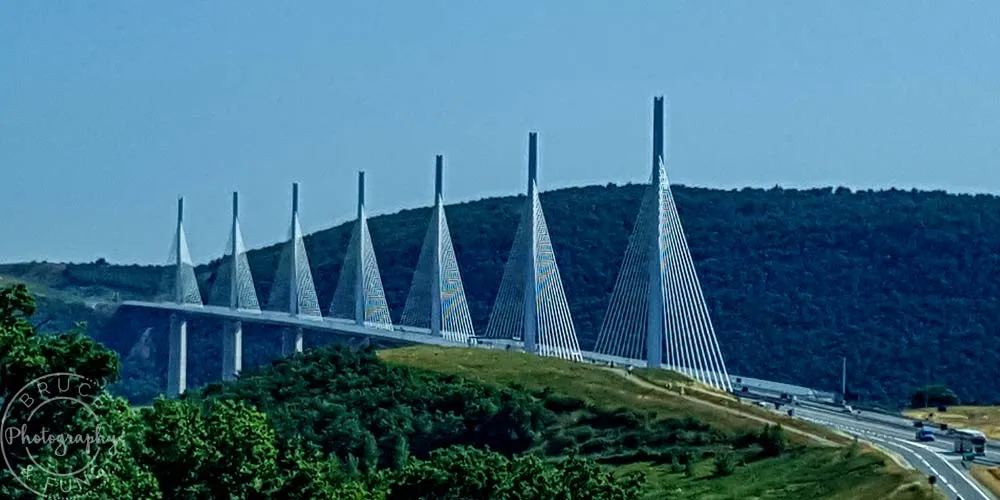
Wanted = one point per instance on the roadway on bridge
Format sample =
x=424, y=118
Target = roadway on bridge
x=932, y=458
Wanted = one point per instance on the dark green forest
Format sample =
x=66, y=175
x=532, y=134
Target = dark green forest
x=902, y=283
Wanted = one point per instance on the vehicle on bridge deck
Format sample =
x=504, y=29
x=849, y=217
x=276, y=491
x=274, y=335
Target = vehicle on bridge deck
x=970, y=440
x=925, y=434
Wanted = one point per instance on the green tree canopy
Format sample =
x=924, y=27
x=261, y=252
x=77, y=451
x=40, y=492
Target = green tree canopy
x=933, y=396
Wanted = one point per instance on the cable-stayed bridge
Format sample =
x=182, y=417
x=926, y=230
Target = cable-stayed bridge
x=657, y=315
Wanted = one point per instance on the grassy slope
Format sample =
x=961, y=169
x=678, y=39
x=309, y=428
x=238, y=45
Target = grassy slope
x=984, y=418
x=809, y=472
x=988, y=477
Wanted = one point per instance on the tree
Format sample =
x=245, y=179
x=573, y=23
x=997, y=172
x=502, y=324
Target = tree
x=35, y=371
x=400, y=452
x=370, y=453
x=177, y=447
x=930, y=396
x=243, y=460
x=228, y=449
x=308, y=475
x=117, y=470
x=25, y=355
x=351, y=466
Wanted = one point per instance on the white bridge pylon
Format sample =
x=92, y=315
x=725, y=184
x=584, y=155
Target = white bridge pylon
x=179, y=284
x=531, y=304
x=293, y=290
x=233, y=286
x=359, y=294
x=657, y=306
x=437, y=297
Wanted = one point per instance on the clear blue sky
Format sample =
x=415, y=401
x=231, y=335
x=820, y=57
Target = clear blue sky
x=111, y=109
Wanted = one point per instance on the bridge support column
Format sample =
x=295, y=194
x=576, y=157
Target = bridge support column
x=291, y=341
x=232, y=350
x=177, y=360
x=656, y=313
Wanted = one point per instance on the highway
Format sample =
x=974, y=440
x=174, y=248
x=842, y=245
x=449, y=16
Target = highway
x=890, y=433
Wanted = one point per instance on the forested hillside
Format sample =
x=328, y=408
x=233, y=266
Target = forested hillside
x=903, y=283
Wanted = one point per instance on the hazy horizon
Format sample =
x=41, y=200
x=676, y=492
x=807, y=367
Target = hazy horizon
x=110, y=111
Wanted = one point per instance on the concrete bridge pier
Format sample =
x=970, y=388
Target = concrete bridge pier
x=177, y=361
x=291, y=341
x=232, y=350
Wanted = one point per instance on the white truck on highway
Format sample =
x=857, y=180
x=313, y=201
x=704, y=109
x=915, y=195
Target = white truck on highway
x=969, y=441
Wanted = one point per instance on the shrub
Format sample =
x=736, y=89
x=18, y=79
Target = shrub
x=852, y=449
x=725, y=463
x=772, y=441
x=560, y=403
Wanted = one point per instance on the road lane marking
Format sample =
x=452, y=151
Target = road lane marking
x=964, y=477
x=897, y=442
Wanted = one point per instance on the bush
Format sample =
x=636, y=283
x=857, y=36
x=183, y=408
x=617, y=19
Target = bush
x=675, y=464
x=746, y=439
x=559, y=403
x=852, y=449
x=772, y=441
x=725, y=463
x=603, y=419
x=689, y=468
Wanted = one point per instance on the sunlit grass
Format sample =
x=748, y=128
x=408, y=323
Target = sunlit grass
x=984, y=418
x=808, y=472
x=988, y=477
x=597, y=386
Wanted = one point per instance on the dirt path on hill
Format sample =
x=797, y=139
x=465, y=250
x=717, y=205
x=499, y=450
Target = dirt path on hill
x=649, y=385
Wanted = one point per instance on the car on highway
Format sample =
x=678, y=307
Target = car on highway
x=925, y=434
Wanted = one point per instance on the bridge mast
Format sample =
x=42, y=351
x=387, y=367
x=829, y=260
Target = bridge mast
x=291, y=338
x=232, y=337
x=234, y=290
x=436, y=303
x=177, y=357
x=656, y=300
x=530, y=334
x=359, y=284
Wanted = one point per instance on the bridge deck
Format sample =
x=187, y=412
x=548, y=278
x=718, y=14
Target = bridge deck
x=417, y=336
x=333, y=325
